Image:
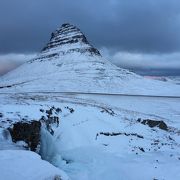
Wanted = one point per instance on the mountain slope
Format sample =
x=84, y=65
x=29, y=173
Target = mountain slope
x=69, y=63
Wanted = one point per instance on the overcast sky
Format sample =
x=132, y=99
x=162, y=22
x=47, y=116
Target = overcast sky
x=142, y=35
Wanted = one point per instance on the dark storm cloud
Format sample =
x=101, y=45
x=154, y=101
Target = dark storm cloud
x=141, y=25
x=142, y=35
x=167, y=64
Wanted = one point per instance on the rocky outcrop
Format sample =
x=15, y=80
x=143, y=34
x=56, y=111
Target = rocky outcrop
x=119, y=133
x=28, y=132
x=68, y=34
x=154, y=123
x=65, y=40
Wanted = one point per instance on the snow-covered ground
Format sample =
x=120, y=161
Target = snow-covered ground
x=20, y=165
x=81, y=146
x=98, y=136
x=173, y=79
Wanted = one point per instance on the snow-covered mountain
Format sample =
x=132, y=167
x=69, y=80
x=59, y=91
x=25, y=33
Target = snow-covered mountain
x=85, y=136
x=69, y=63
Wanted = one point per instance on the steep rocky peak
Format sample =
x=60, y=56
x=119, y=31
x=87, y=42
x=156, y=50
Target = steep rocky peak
x=72, y=38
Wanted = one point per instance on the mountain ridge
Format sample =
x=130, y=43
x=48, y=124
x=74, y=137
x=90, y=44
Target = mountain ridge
x=68, y=62
x=66, y=39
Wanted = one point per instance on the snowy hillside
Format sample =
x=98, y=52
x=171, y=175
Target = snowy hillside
x=98, y=137
x=68, y=63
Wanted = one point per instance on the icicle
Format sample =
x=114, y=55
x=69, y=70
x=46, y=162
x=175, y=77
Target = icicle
x=48, y=149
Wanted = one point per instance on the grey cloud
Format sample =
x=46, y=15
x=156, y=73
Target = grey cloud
x=146, y=29
x=139, y=60
x=9, y=62
x=143, y=26
x=145, y=64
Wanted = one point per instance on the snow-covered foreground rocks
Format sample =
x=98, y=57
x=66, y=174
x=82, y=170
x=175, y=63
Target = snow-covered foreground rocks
x=27, y=165
x=103, y=137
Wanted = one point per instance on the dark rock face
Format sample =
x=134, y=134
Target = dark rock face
x=68, y=35
x=27, y=132
x=1, y=115
x=50, y=118
x=153, y=123
x=119, y=133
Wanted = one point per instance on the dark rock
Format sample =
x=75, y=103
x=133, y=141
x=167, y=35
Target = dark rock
x=57, y=177
x=50, y=119
x=108, y=110
x=41, y=110
x=71, y=110
x=142, y=149
x=49, y=112
x=154, y=123
x=1, y=115
x=69, y=34
x=170, y=138
x=118, y=133
x=27, y=132
x=58, y=110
